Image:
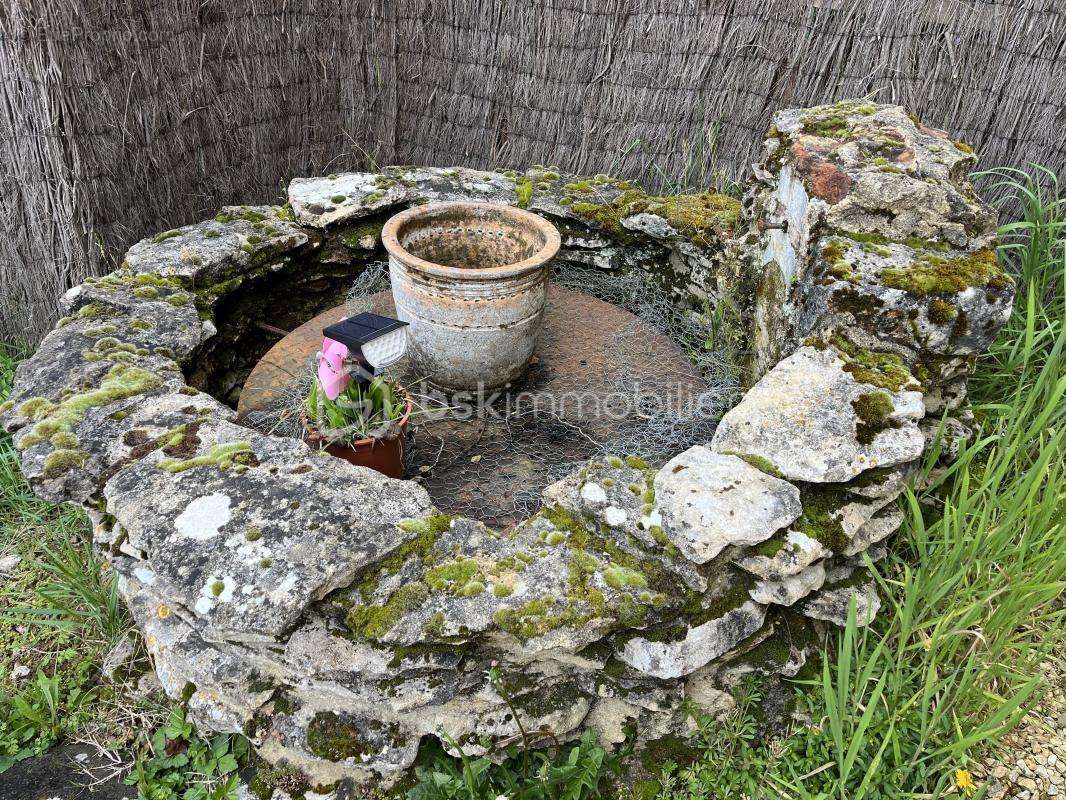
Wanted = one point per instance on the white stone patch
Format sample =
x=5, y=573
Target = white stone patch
x=651, y=224
x=593, y=493
x=649, y=521
x=615, y=516
x=204, y=517
x=208, y=599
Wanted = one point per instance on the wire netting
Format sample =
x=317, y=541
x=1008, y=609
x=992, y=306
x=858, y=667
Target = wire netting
x=651, y=388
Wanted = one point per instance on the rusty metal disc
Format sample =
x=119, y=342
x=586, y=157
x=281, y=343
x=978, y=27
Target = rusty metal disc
x=572, y=402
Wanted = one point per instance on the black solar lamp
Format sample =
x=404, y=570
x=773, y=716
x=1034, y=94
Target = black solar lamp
x=374, y=342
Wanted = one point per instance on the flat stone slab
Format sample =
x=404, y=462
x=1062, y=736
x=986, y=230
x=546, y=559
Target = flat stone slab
x=493, y=468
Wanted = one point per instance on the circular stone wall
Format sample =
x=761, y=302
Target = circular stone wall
x=338, y=619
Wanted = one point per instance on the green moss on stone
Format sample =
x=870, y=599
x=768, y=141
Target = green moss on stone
x=121, y=382
x=331, y=737
x=523, y=190
x=96, y=331
x=699, y=217
x=934, y=273
x=61, y=461
x=364, y=236
x=759, y=462
x=374, y=621
x=831, y=121
x=222, y=456
x=555, y=538
x=883, y=370
x=873, y=410
x=64, y=440
x=240, y=212
x=617, y=577
x=941, y=312
x=452, y=575
x=835, y=264
x=769, y=548
x=162, y=237
x=819, y=520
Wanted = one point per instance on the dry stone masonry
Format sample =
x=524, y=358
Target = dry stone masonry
x=338, y=620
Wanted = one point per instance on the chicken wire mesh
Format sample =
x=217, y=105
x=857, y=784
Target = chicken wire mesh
x=619, y=370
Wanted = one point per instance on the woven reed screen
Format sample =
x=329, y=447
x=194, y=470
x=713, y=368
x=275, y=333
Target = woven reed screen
x=120, y=118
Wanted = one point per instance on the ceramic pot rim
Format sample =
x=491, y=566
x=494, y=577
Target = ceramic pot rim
x=552, y=242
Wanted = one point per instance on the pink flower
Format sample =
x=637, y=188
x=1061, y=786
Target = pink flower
x=333, y=376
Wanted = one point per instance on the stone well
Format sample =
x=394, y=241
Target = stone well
x=338, y=620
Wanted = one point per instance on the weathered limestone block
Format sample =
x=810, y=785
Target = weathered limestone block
x=333, y=199
x=145, y=311
x=709, y=501
x=115, y=320
x=787, y=590
x=700, y=645
x=784, y=556
x=879, y=527
x=239, y=240
x=618, y=495
x=865, y=208
x=825, y=416
x=781, y=648
x=832, y=601
x=244, y=531
x=615, y=493
x=218, y=680
x=76, y=463
x=540, y=587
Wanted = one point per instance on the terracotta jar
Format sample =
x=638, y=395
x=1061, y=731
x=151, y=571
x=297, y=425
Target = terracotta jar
x=471, y=279
x=387, y=455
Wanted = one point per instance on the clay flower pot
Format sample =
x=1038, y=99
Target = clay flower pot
x=387, y=455
x=471, y=280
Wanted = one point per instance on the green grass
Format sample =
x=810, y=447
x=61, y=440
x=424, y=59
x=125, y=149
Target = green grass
x=58, y=615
